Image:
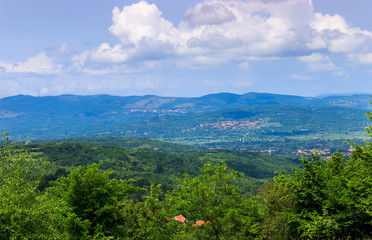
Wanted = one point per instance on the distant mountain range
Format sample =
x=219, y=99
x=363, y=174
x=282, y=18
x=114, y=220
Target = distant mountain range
x=72, y=104
x=212, y=120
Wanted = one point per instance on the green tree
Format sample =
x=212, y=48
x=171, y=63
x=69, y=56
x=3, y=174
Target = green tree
x=94, y=199
x=324, y=199
x=212, y=197
x=149, y=219
x=26, y=213
x=276, y=200
x=358, y=192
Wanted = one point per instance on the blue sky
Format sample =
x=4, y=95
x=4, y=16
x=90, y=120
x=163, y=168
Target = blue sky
x=185, y=47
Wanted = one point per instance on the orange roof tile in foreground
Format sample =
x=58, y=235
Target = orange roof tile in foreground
x=180, y=218
x=199, y=223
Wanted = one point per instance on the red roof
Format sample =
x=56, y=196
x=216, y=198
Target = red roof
x=199, y=223
x=180, y=218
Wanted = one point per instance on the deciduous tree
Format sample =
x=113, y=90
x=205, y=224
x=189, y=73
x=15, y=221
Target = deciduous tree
x=26, y=213
x=213, y=198
x=94, y=198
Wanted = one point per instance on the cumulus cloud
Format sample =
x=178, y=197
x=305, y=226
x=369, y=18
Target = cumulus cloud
x=40, y=64
x=219, y=31
x=141, y=22
x=211, y=32
x=334, y=34
x=215, y=32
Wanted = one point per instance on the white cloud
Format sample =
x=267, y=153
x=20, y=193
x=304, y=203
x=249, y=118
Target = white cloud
x=334, y=34
x=79, y=60
x=364, y=58
x=214, y=32
x=143, y=33
x=40, y=64
x=217, y=32
x=141, y=22
x=318, y=62
x=327, y=22
x=105, y=53
x=208, y=13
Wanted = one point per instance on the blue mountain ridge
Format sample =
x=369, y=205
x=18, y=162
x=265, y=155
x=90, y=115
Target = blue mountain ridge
x=28, y=117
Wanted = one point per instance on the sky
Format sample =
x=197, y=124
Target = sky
x=185, y=48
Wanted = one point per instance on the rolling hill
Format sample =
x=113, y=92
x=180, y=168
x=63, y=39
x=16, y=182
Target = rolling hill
x=252, y=121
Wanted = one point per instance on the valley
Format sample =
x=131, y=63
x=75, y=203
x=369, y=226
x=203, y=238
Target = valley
x=271, y=123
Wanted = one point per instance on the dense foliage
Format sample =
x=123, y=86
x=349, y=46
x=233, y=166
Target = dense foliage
x=93, y=198
x=25, y=213
x=213, y=198
x=148, y=166
x=325, y=199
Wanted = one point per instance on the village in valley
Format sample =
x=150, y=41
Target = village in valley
x=322, y=152
x=226, y=125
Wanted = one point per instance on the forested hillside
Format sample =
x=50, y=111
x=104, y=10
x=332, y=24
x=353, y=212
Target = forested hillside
x=322, y=199
x=148, y=166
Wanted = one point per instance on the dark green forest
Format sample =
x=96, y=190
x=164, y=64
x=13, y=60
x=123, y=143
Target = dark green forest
x=146, y=166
